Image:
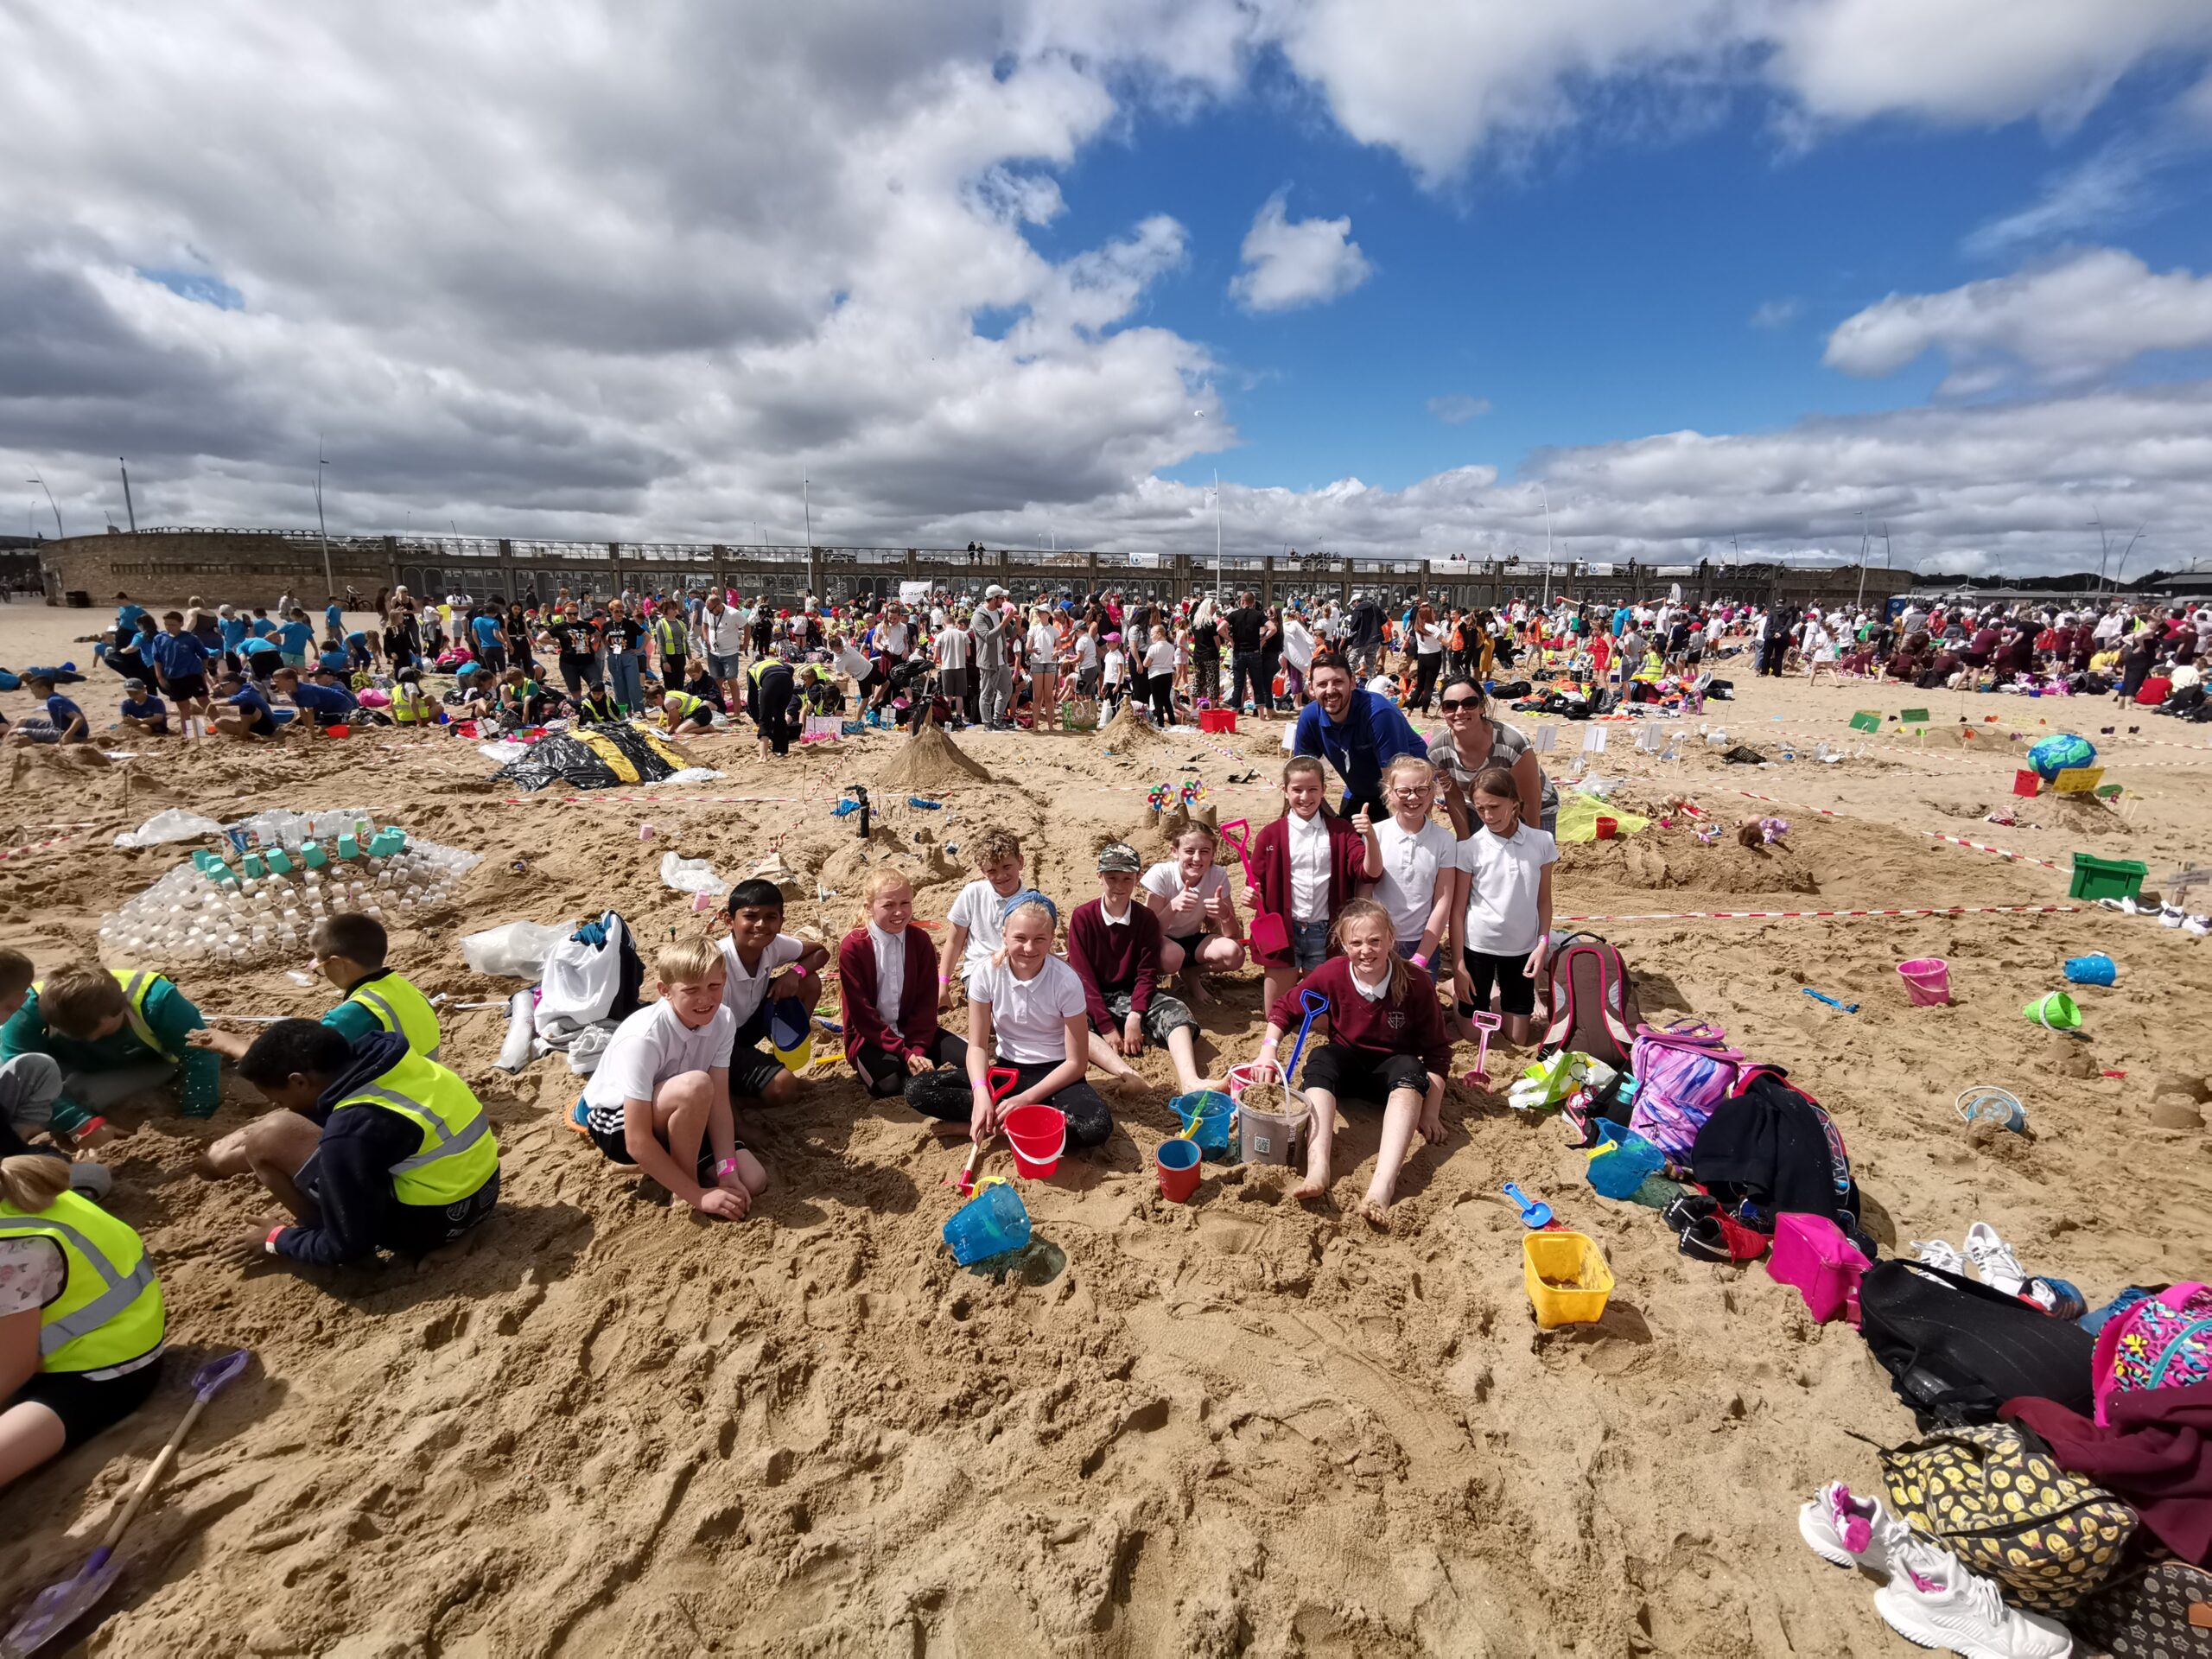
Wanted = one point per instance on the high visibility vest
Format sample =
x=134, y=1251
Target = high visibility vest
x=411, y=705
x=398, y=1006
x=686, y=705
x=137, y=985
x=458, y=1151
x=110, y=1310
x=669, y=636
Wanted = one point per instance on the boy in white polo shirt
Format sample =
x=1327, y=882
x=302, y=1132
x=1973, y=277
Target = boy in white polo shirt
x=660, y=1097
x=768, y=977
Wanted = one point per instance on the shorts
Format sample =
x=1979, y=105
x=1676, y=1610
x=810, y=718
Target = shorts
x=1309, y=945
x=722, y=667
x=1361, y=1074
x=1516, y=992
x=1162, y=1018
x=86, y=1405
x=753, y=1068
x=187, y=687
x=701, y=717
x=1189, y=942
x=618, y=1151
x=293, y=658
x=418, y=1229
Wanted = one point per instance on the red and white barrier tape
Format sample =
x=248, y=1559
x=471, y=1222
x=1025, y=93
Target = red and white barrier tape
x=1822, y=915
x=34, y=846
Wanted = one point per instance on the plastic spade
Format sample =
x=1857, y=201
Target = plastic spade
x=1485, y=1023
x=1237, y=834
x=1316, y=1005
x=1848, y=1007
x=1534, y=1216
x=59, y=1606
x=999, y=1080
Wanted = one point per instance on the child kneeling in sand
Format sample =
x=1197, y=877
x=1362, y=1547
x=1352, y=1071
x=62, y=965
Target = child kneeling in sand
x=1026, y=1009
x=1114, y=945
x=1387, y=1042
x=660, y=1097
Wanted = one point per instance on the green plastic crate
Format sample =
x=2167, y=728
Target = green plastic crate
x=2107, y=878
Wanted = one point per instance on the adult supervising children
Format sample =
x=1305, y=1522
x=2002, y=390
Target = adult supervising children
x=1358, y=732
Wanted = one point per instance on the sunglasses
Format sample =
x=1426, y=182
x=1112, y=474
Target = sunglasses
x=1453, y=705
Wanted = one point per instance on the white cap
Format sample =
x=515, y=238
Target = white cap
x=994, y=592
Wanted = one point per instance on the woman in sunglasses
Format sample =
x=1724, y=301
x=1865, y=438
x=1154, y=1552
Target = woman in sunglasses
x=1476, y=741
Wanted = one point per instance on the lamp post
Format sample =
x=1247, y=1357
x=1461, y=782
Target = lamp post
x=60, y=534
x=321, y=530
x=1547, y=494
x=128, y=506
x=1216, y=541
x=1860, y=604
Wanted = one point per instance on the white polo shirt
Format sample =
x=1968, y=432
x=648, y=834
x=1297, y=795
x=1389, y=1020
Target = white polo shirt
x=1029, y=1016
x=1308, y=844
x=741, y=992
x=1411, y=864
x=1505, y=876
x=646, y=1050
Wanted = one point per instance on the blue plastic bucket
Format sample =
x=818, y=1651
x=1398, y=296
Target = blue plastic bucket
x=992, y=1222
x=1206, y=1116
x=2097, y=969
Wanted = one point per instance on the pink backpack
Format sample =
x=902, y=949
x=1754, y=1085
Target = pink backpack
x=1593, y=1000
x=1683, y=1073
x=2162, y=1342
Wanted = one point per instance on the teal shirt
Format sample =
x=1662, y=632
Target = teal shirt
x=169, y=1014
x=353, y=1021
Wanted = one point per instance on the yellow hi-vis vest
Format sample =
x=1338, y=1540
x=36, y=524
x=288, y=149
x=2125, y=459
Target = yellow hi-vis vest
x=398, y=1006
x=110, y=1311
x=411, y=706
x=137, y=985
x=686, y=705
x=458, y=1151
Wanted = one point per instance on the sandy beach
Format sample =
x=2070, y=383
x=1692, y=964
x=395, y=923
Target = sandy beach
x=1241, y=1426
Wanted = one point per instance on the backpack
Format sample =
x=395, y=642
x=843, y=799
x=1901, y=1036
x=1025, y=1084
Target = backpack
x=1682, y=1073
x=1593, y=1001
x=1995, y=1498
x=1956, y=1350
x=2162, y=1342
x=2164, y=1613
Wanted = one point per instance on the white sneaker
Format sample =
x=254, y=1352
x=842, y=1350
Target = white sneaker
x=1850, y=1531
x=2197, y=926
x=2172, y=916
x=1938, y=1254
x=1934, y=1600
x=1994, y=1264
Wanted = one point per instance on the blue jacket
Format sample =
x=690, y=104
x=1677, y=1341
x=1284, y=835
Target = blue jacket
x=1373, y=733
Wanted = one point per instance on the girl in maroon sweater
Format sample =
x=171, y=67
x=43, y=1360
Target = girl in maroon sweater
x=1311, y=895
x=1387, y=1042
x=886, y=978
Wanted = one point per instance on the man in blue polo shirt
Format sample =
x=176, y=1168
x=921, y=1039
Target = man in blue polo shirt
x=180, y=665
x=1358, y=732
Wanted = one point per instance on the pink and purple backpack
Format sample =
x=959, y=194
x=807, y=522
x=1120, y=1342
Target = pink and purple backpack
x=2162, y=1342
x=1682, y=1072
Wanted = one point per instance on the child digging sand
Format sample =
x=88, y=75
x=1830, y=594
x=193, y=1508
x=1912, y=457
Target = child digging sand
x=660, y=1098
x=1190, y=895
x=348, y=950
x=1387, y=1042
x=1114, y=945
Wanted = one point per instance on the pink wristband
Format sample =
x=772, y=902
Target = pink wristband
x=270, y=1242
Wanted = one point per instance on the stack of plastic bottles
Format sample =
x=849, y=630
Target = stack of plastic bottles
x=278, y=874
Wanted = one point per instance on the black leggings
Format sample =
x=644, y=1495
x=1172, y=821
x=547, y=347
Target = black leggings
x=886, y=1073
x=1425, y=665
x=951, y=1100
x=1162, y=687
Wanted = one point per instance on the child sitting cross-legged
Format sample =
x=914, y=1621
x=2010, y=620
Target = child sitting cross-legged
x=1026, y=1010
x=1387, y=1043
x=1114, y=945
x=888, y=979
x=660, y=1097
x=768, y=974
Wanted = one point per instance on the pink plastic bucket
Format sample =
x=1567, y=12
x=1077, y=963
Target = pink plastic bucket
x=1927, y=981
x=1038, y=1134
x=1239, y=1078
x=1811, y=1253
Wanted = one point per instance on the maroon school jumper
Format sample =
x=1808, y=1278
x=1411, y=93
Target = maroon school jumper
x=1271, y=867
x=917, y=1027
x=1415, y=1026
x=1125, y=954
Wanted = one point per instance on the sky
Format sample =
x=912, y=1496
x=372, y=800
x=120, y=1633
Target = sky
x=1595, y=280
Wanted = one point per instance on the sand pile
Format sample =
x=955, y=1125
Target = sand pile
x=929, y=762
x=1130, y=733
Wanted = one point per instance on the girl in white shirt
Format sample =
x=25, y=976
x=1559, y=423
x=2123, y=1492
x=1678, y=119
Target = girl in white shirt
x=1418, y=856
x=1044, y=648
x=1160, y=677
x=1505, y=914
x=1026, y=1011
x=1190, y=894
x=1117, y=664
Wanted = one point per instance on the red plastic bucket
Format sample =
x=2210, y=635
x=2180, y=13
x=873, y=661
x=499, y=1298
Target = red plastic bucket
x=1177, y=1162
x=1607, y=828
x=338, y=731
x=1040, y=1134
x=1927, y=981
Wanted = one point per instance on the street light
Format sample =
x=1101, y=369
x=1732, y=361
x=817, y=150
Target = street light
x=321, y=531
x=60, y=534
x=2120, y=571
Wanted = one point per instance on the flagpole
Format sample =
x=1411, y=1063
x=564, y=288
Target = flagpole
x=1216, y=541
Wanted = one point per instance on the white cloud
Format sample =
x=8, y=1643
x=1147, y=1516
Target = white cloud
x=2071, y=320
x=1456, y=408
x=1291, y=262
x=1776, y=314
